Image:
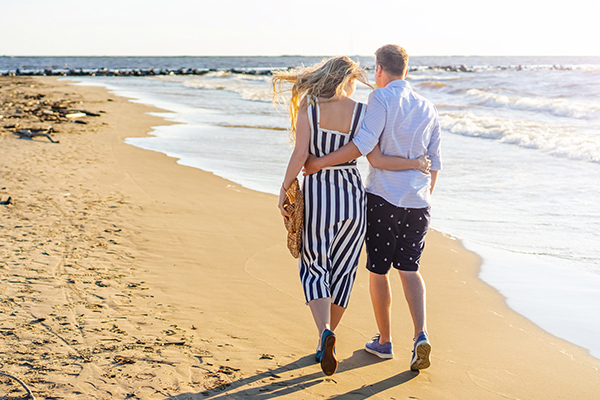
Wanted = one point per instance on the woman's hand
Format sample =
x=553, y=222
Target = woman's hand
x=282, y=198
x=424, y=164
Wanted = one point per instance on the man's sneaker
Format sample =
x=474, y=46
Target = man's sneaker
x=421, y=352
x=380, y=350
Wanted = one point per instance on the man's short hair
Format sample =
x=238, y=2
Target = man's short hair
x=392, y=58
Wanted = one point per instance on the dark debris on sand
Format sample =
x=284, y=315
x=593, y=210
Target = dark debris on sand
x=28, y=113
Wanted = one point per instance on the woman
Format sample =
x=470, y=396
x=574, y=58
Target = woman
x=324, y=118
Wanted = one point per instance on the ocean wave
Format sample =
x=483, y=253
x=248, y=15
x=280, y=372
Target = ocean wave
x=272, y=128
x=433, y=84
x=254, y=88
x=551, y=139
x=556, y=107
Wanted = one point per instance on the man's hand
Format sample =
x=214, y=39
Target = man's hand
x=424, y=164
x=311, y=166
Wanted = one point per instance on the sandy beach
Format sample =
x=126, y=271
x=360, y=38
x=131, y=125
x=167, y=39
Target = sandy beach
x=126, y=275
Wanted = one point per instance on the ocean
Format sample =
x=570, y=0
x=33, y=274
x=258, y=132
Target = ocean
x=520, y=184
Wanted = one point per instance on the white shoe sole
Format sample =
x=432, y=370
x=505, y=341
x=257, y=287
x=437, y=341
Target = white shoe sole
x=378, y=354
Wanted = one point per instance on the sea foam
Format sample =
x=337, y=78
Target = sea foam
x=547, y=137
x=553, y=106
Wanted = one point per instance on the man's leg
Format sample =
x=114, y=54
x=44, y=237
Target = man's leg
x=382, y=234
x=381, y=297
x=414, y=291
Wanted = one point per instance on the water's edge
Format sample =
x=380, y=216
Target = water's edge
x=499, y=268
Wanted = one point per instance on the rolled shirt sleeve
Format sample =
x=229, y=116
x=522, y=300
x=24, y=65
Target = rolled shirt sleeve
x=434, y=150
x=372, y=126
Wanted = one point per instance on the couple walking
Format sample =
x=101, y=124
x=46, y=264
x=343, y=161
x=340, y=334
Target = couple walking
x=398, y=132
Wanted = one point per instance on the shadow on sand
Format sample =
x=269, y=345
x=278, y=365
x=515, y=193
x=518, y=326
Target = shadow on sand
x=269, y=384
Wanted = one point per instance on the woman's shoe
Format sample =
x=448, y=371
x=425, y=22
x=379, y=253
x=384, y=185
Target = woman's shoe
x=328, y=361
x=319, y=356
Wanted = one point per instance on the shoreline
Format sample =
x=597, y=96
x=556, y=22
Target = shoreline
x=175, y=227
x=550, y=311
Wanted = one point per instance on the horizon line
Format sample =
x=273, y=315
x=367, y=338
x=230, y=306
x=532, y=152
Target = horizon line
x=297, y=55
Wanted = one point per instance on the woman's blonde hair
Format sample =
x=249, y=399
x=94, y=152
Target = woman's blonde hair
x=325, y=79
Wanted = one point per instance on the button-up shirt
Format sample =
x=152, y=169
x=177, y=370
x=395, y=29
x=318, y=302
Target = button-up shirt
x=404, y=124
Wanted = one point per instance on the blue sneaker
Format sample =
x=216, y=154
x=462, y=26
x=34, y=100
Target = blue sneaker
x=329, y=363
x=319, y=356
x=380, y=350
x=421, y=352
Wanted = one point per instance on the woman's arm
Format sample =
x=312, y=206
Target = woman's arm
x=378, y=160
x=299, y=155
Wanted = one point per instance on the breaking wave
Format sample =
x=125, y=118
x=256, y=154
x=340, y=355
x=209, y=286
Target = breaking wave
x=553, y=106
x=548, y=138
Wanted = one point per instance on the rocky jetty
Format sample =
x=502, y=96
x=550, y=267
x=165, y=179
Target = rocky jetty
x=129, y=72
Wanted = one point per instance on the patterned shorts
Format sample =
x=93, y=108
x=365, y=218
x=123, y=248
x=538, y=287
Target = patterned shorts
x=395, y=235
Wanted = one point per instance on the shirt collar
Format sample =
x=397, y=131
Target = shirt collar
x=399, y=83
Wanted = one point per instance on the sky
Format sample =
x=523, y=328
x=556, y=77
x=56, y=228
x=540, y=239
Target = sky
x=307, y=27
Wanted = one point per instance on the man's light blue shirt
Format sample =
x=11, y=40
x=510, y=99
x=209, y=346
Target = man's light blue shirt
x=404, y=124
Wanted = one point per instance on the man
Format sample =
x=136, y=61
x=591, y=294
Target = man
x=405, y=125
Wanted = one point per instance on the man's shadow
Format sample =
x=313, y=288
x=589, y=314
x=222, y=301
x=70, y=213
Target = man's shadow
x=272, y=385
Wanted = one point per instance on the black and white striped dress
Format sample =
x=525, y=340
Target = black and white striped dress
x=335, y=218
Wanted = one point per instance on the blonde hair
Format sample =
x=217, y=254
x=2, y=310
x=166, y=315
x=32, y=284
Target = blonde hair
x=325, y=79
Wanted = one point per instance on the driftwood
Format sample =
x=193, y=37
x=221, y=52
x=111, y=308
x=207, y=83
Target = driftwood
x=89, y=113
x=29, y=393
x=26, y=133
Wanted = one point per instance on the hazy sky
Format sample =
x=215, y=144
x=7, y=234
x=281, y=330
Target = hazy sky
x=308, y=27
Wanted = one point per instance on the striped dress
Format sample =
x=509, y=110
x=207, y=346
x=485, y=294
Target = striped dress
x=334, y=217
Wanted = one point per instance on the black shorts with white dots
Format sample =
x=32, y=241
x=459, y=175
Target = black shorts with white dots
x=395, y=235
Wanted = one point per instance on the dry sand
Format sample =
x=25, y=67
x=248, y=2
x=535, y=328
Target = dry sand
x=125, y=275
